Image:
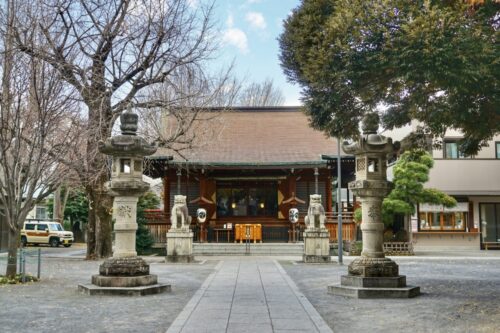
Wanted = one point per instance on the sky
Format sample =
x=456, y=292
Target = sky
x=249, y=32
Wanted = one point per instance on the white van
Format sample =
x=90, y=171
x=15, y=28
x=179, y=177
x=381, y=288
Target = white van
x=45, y=232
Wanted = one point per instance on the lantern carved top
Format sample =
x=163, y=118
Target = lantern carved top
x=128, y=150
x=128, y=143
x=370, y=141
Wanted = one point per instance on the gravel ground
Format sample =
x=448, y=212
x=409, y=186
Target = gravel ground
x=458, y=295
x=54, y=304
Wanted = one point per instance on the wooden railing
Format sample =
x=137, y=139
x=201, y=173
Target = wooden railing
x=348, y=231
x=348, y=226
x=158, y=231
x=156, y=216
x=159, y=224
x=347, y=217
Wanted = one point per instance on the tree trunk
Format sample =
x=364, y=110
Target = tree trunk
x=99, y=228
x=408, y=228
x=13, y=242
x=56, y=211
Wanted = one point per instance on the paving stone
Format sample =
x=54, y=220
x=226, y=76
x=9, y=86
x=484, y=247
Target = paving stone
x=262, y=299
x=245, y=328
x=293, y=324
x=251, y=310
x=249, y=319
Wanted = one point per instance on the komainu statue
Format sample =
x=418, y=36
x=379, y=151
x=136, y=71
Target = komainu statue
x=315, y=218
x=179, y=217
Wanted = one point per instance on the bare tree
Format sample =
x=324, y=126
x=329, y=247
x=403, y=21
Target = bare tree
x=110, y=52
x=39, y=124
x=61, y=195
x=185, y=98
x=261, y=94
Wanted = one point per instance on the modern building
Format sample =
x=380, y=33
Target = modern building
x=474, y=181
x=251, y=167
x=39, y=212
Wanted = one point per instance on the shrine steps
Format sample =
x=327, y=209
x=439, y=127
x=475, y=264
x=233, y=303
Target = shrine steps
x=258, y=249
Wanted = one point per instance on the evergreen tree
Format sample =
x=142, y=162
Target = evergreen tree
x=411, y=172
x=143, y=238
x=433, y=61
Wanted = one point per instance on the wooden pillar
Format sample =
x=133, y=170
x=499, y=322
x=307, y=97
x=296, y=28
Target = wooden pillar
x=203, y=186
x=203, y=189
x=292, y=192
x=329, y=193
x=470, y=218
x=292, y=186
x=166, y=194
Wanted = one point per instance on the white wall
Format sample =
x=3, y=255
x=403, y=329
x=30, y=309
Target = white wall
x=466, y=176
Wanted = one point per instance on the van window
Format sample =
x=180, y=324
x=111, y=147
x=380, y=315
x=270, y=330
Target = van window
x=29, y=226
x=42, y=227
x=55, y=227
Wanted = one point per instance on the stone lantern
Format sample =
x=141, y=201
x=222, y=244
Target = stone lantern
x=125, y=272
x=372, y=275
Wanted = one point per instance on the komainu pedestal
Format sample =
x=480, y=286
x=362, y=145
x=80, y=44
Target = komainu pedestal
x=180, y=236
x=316, y=236
x=372, y=275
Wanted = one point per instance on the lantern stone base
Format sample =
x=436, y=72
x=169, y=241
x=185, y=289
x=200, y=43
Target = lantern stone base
x=373, y=278
x=373, y=292
x=91, y=289
x=316, y=246
x=124, y=276
x=179, y=246
x=128, y=266
x=373, y=267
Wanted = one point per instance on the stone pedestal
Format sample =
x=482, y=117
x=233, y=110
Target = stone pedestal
x=124, y=276
x=125, y=227
x=316, y=246
x=179, y=246
x=373, y=287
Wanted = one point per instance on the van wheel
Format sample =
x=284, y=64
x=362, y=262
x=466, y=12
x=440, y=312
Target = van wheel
x=24, y=241
x=54, y=242
x=67, y=245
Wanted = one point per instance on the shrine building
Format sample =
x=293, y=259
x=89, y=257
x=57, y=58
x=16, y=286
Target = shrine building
x=250, y=166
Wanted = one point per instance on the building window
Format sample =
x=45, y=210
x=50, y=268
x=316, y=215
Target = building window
x=497, y=149
x=41, y=213
x=443, y=221
x=489, y=215
x=452, y=151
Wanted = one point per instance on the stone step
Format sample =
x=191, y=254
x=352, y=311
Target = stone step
x=360, y=292
x=291, y=249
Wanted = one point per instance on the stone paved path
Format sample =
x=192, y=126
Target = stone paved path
x=248, y=294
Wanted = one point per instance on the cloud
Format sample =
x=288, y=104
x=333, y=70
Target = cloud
x=236, y=37
x=230, y=21
x=193, y=3
x=253, y=1
x=256, y=20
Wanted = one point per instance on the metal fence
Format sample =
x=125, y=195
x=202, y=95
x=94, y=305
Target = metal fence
x=29, y=262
